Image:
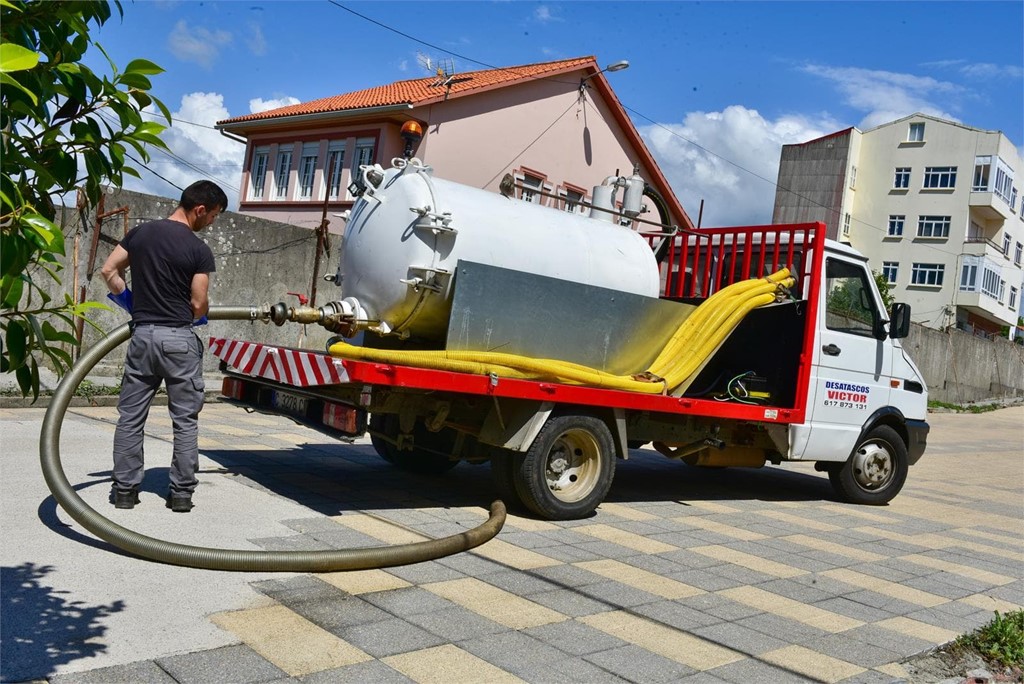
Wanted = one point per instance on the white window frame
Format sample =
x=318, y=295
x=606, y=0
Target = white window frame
x=1017, y=252
x=901, y=178
x=1013, y=298
x=846, y=225
x=258, y=172
x=990, y=282
x=282, y=172
x=572, y=200
x=896, y=224
x=1007, y=242
x=935, y=227
x=853, y=176
x=982, y=174
x=922, y=273
x=969, y=275
x=891, y=271
x=939, y=178
x=307, y=171
x=1002, y=184
x=916, y=132
x=334, y=167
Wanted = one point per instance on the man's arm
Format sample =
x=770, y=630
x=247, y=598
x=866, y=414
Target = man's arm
x=113, y=270
x=200, y=295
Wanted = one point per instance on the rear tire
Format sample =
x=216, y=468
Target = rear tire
x=875, y=472
x=504, y=465
x=430, y=452
x=569, y=468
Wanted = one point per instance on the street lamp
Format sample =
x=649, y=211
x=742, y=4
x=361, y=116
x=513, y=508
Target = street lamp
x=614, y=66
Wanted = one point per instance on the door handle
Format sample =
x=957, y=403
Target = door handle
x=831, y=350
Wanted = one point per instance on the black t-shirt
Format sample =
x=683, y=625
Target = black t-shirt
x=164, y=256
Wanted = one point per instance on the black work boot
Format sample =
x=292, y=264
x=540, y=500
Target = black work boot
x=180, y=502
x=126, y=498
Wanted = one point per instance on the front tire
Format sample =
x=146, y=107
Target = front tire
x=569, y=468
x=875, y=471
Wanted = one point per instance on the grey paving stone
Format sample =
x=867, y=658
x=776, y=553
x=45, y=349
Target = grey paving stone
x=605, y=549
x=882, y=602
x=455, y=624
x=639, y=665
x=947, y=585
x=521, y=583
x=709, y=579
x=902, y=645
x=472, y=565
x=568, y=576
x=659, y=565
x=513, y=652
x=750, y=670
x=871, y=677
x=682, y=539
x=773, y=625
x=360, y=673
x=719, y=606
x=567, y=670
x=690, y=559
x=742, y=574
x=391, y=636
x=702, y=678
x=575, y=638
x=1014, y=593
x=529, y=540
x=675, y=614
x=617, y=595
x=740, y=638
x=424, y=573
x=407, y=601
x=143, y=672
x=884, y=570
x=570, y=602
x=228, y=665
x=570, y=554
x=798, y=590
x=852, y=609
x=847, y=647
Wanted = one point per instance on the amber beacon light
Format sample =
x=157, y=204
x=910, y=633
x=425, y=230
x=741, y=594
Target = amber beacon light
x=412, y=133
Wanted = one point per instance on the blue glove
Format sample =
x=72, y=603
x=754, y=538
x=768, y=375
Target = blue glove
x=123, y=300
x=202, y=320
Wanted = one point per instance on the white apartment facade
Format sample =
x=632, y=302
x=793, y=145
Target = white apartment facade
x=934, y=206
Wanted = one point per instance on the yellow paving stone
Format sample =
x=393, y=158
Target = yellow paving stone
x=495, y=604
x=207, y=443
x=1016, y=539
x=811, y=663
x=916, y=628
x=747, y=560
x=989, y=603
x=886, y=588
x=960, y=492
x=640, y=579
x=671, y=643
x=963, y=515
x=938, y=541
x=709, y=525
x=847, y=509
x=289, y=640
x=800, y=520
x=514, y=556
x=711, y=507
x=832, y=547
x=782, y=606
x=233, y=431
x=364, y=581
x=958, y=569
x=789, y=504
x=384, y=530
x=630, y=540
x=626, y=512
x=447, y=664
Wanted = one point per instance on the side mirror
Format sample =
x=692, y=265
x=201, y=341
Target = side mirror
x=899, y=321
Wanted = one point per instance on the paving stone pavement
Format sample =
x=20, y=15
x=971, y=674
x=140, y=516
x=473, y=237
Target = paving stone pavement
x=683, y=575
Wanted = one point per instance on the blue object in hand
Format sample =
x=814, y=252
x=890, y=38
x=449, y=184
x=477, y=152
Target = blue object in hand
x=202, y=320
x=123, y=300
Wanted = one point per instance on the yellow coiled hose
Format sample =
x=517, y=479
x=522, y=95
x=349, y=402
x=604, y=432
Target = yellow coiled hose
x=682, y=356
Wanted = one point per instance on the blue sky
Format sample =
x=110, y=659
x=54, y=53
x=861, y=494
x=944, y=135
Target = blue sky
x=715, y=87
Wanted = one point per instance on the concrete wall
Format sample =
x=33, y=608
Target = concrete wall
x=261, y=261
x=258, y=261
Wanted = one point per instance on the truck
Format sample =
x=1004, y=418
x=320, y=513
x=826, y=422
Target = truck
x=459, y=302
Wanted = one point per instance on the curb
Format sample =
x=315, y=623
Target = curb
x=78, y=402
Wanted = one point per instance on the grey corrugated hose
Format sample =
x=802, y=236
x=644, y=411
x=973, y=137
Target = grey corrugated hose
x=330, y=560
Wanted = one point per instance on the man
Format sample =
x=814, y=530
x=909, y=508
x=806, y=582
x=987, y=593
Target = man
x=171, y=269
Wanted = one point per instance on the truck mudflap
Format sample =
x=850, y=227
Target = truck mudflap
x=917, y=439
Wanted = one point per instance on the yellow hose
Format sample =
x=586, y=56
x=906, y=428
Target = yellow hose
x=682, y=356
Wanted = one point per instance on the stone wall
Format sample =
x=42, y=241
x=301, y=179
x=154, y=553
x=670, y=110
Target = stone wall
x=261, y=261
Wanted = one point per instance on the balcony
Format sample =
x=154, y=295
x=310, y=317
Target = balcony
x=982, y=246
x=990, y=206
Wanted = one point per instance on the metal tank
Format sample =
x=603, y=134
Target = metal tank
x=406, y=233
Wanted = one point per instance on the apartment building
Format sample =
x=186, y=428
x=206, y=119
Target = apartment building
x=555, y=127
x=933, y=205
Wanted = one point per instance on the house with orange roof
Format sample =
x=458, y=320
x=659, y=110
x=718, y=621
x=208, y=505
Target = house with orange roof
x=556, y=127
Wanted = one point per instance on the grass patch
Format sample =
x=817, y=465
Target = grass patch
x=1000, y=642
x=969, y=408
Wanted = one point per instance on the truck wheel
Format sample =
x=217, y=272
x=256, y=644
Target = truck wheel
x=569, y=468
x=504, y=464
x=429, y=455
x=876, y=470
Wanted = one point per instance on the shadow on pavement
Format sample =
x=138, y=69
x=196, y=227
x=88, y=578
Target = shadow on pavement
x=39, y=629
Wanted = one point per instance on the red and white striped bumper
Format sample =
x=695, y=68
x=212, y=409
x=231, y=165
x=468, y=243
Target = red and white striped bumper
x=296, y=367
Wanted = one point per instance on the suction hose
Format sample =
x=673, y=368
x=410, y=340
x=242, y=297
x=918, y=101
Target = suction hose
x=223, y=559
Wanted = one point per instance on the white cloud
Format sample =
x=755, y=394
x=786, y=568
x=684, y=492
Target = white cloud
x=887, y=95
x=255, y=40
x=991, y=71
x=544, y=15
x=403, y=65
x=258, y=104
x=738, y=193
x=197, y=44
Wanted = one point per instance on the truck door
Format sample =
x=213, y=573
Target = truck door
x=851, y=366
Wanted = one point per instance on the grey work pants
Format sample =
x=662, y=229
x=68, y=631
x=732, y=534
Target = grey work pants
x=174, y=356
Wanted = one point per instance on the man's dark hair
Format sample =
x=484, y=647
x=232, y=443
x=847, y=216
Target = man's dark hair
x=205, y=193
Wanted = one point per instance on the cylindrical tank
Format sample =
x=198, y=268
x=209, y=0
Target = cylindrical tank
x=405, y=236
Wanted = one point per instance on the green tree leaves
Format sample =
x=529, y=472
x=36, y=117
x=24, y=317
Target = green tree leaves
x=64, y=127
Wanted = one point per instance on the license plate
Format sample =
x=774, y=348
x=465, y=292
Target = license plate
x=289, y=403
